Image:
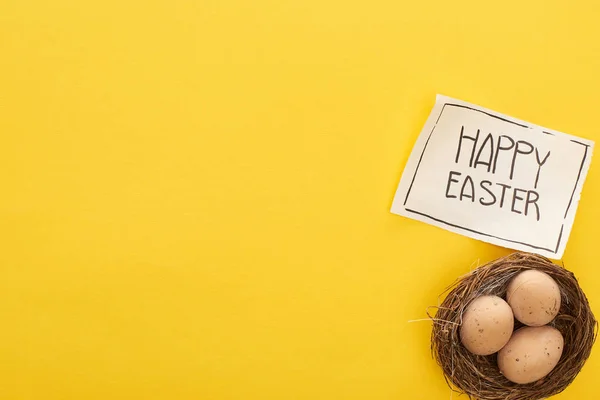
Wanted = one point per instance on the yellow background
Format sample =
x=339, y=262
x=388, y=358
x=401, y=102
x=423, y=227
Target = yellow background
x=194, y=195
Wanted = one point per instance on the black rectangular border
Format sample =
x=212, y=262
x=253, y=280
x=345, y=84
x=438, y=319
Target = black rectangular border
x=560, y=235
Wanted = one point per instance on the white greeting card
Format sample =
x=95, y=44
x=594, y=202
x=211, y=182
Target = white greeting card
x=494, y=178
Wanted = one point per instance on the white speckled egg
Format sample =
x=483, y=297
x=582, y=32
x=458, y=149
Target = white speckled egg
x=534, y=297
x=531, y=354
x=487, y=325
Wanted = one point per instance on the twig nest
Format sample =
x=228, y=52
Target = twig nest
x=572, y=320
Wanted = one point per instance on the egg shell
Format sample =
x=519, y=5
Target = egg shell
x=534, y=297
x=531, y=354
x=487, y=325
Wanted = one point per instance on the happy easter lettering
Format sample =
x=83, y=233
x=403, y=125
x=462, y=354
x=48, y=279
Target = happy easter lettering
x=479, y=151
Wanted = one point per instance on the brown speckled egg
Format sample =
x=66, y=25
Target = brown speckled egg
x=531, y=354
x=487, y=325
x=534, y=297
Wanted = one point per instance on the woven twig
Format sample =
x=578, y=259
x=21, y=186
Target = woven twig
x=479, y=376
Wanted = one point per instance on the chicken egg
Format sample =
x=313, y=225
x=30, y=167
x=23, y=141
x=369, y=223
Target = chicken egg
x=531, y=354
x=487, y=325
x=534, y=297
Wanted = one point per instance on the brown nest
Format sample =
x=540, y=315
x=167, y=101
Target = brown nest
x=479, y=376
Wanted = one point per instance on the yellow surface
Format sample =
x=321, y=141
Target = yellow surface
x=194, y=194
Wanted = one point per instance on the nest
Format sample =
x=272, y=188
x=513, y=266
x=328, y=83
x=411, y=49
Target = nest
x=479, y=376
